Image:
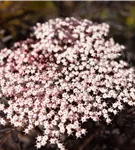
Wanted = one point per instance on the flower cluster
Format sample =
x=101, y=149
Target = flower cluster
x=67, y=72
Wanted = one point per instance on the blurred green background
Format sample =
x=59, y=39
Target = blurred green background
x=16, y=18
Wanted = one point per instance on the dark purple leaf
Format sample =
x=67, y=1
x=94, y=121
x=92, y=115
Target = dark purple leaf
x=14, y=136
x=4, y=130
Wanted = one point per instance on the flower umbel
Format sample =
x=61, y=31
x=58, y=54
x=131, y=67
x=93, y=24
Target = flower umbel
x=67, y=72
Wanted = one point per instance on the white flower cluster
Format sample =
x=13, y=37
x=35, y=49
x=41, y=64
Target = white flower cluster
x=67, y=72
